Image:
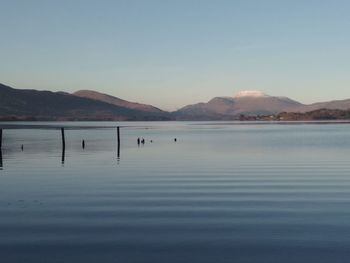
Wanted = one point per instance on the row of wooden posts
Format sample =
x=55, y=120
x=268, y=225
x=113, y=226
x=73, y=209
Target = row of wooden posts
x=64, y=144
x=64, y=139
x=83, y=143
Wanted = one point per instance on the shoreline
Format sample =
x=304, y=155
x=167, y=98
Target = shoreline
x=71, y=125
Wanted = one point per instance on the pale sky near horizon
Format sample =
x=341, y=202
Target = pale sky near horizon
x=173, y=53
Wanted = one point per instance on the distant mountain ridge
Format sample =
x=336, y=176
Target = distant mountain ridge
x=251, y=102
x=91, y=94
x=334, y=105
x=245, y=102
x=21, y=104
x=18, y=104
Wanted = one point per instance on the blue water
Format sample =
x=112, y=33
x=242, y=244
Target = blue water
x=224, y=192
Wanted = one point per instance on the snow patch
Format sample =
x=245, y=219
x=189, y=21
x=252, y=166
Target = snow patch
x=250, y=93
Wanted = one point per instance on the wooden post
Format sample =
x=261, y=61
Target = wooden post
x=63, y=139
x=118, y=151
x=1, y=166
x=118, y=142
x=0, y=138
x=63, y=146
x=118, y=135
x=63, y=155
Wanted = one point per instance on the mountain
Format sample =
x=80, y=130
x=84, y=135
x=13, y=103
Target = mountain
x=90, y=94
x=315, y=115
x=245, y=102
x=332, y=105
x=20, y=104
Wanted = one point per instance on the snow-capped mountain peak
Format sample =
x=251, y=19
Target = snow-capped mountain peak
x=250, y=93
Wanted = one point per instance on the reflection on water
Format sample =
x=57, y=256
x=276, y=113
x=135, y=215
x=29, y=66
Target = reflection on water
x=1, y=165
x=220, y=193
x=63, y=155
x=118, y=153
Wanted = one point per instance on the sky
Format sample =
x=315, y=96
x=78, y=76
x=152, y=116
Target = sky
x=171, y=53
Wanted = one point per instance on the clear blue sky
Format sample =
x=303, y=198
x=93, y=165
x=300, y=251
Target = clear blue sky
x=172, y=53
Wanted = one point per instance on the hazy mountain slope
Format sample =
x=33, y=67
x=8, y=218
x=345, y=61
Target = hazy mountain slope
x=264, y=105
x=47, y=105
x=334, y=105
x=252, y=103
x=91, y=105
x=90, y=94
x=247, y=102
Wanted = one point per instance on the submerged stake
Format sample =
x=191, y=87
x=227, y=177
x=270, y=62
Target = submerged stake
x=118, y=135
x=0, y=138
x=63, y=139
x=118, y=142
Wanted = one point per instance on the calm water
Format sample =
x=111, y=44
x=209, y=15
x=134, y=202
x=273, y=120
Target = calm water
x=221, y=193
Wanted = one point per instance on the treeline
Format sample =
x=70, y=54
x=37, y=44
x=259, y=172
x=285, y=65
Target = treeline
x=315, y=115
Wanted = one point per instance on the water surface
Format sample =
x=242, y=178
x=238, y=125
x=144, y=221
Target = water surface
x=223, y=192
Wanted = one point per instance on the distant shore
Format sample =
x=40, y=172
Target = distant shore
x=324, y=115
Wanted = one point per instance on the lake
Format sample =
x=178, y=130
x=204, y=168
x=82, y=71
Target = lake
x=223, y=192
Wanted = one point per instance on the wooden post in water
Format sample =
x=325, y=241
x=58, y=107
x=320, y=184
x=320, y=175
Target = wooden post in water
x=63, y=146
x=118, y=142
x=63, y=139
x=63, y=155
x=0, y=138
x=118, y=151
x=1, y=159
x=118, y=135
